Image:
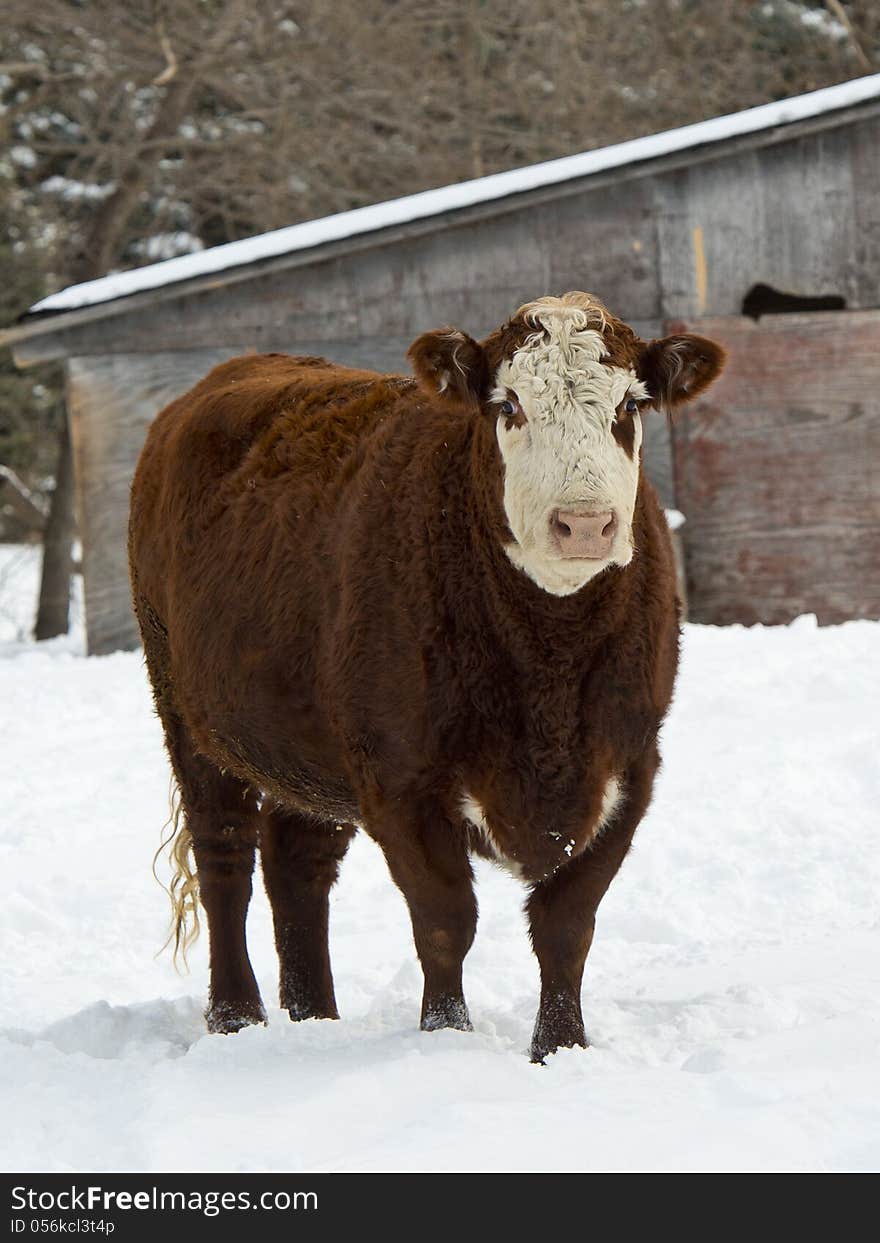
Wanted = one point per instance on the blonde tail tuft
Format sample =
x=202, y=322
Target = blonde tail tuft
x=183, y=889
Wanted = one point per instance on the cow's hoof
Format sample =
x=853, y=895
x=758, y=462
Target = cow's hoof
x=447, y=1012
x=541, y=1050
x=298, y=1013
x=225, y=1017
x=562, y=1028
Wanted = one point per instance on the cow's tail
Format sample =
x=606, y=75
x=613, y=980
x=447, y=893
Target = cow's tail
x=183, y=888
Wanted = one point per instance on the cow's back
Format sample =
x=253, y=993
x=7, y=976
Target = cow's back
x=243, y=417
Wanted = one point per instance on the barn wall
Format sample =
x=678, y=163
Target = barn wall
x=776, y=470
x=111, y=401
x=802, y=216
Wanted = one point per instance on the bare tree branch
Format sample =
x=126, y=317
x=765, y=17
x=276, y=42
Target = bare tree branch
x=15, y=493
x=170, y=69
x=839, y=12
x=25, y=68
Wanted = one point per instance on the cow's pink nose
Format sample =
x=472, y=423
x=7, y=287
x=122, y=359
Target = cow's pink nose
x=583, y=534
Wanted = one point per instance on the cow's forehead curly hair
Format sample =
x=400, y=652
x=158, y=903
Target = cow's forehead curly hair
x=622, y=347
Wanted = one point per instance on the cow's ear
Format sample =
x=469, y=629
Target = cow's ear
x=677, y=369
x=451, y=365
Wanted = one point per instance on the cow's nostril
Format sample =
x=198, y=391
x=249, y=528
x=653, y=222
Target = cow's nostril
x=563, y=530
x=610, y=526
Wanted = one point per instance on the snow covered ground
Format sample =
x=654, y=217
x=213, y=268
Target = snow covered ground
x=732, y=995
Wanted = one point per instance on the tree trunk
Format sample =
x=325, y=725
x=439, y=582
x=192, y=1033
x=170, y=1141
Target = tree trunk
x=54, y=609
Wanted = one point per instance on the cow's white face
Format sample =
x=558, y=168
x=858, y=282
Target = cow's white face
x=565, y=470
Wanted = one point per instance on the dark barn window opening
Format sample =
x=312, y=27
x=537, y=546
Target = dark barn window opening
x=765, y=300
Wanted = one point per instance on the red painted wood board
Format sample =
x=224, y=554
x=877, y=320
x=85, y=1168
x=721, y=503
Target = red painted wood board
x=777, y=471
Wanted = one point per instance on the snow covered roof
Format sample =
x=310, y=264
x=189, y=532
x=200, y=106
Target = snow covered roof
x=363, y=220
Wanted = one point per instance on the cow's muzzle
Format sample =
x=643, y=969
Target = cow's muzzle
x=583, y=534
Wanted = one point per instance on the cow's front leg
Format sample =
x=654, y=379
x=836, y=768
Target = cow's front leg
x=562, y=916
x=428, y=859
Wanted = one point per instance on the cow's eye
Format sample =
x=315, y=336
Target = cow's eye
x=631, y=405
x=507, y=408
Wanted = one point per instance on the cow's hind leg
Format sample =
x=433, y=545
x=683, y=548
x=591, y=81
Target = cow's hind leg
x=301, y=861
x=220, y=818
x=220, y=814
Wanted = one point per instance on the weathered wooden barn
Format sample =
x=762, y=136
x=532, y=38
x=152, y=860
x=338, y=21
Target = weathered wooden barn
x=775, y=470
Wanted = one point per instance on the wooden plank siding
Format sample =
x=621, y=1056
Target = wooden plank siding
x=802, y=217
x=111, y=402
x=777, y=471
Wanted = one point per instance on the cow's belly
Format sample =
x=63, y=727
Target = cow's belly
x=299, y=785
x=532, y=852
x=297, y=763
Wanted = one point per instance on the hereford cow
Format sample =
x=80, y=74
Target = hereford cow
x=438, y=609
